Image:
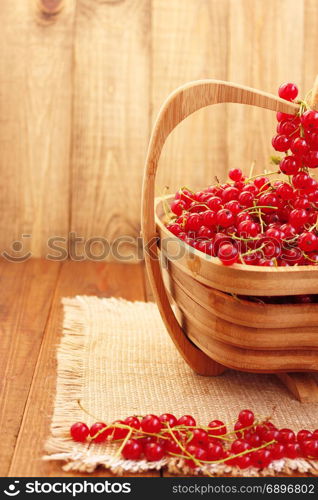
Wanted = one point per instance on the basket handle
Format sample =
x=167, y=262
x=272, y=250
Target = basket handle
x=179, y=105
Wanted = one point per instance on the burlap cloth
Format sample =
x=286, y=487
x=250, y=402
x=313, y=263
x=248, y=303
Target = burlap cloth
x=118, y=360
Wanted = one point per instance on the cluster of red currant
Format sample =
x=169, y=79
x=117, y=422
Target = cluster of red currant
x=255, y=220
x=251, y=443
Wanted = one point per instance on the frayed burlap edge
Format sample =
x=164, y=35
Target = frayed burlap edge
x=83, y=458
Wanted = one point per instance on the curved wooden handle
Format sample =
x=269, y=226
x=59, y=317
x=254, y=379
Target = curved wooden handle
x=181, y=103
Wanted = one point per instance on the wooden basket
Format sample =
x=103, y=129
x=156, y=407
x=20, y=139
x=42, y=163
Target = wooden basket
x=211, y=329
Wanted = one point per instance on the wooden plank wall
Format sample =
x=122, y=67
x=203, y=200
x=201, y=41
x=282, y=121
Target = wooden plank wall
x=81, y=82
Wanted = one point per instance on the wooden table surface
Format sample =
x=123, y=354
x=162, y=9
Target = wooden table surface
x=31, y=319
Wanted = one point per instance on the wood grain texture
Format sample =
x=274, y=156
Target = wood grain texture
x=26, y=296
x=264, y=52
x=111, y=116
x=87, y=278
x=35, y=128
x=190, y=41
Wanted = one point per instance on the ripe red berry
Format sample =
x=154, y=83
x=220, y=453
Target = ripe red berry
x=304, y=435
x=228, y=254
x=168, y=418
x=288, y=91
x=293, y=450
x=246, y=417
x=239, y=445
x=261, y=458
x=177, y=207
x=277, y=450
x=199, y=438
x=281, y=143
x=196, y=452
x=298, y=217
x=214, y=451
x=225, y=218
x=243, y=462
x=246, y=199
x=235, y=174
x=133, y=422
x=217, y=428
x=132, y=449
x=96, y=429
x=286, y=436
x=151, y=423
x=79, y=431
x=288, y=128
x=248, y=228
x=214, y=203
x=230, y=193
x=300, y=180
x=308, y=242
x=312, y=159
x=154, y=452
x=290, y=165
x=187, y=421
x=309, y=120
x=285, y=117
x=299, y=146
x=175, y=229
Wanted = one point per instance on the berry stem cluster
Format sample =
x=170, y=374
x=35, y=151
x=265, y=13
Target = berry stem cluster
x=251, y=443
x=255, y=220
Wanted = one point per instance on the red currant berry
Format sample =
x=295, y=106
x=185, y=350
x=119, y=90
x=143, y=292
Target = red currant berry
x=175, y=229
x=132, y=450
x=310, y=448
x=288, y=91
x=225, y=218
x=187, y=421
x=230, y=193
x=261, y=458
x=308, y=242
x=214, y=451
x=243, y=462
x=79, y=431
x=168, y=418
x=239, y=445
x=235, y=174
x=290, y=165
x=286, y=436
x=285, y=117
x=300, y=180
x=262, y=183
x=133, y=422
x=196, y=452
x=288, y=128
x=233, y=206
x=246, y=417
x=97, y=430
x=309, y=120
x=214, y=203
x=246, y=199
x=292, y=450
x=281, y=143
x=299, y=146
x=217, y=428
x=228, y=254
x=248, y=228
x=304, y=435
x=285, y=191
x=151, y=423
x=277, y=450
x=298, y=217
x=177, y=207
x=199, y=438
x=154, y=452
x=237, y=427
x=312, y=159
x=119, y=432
